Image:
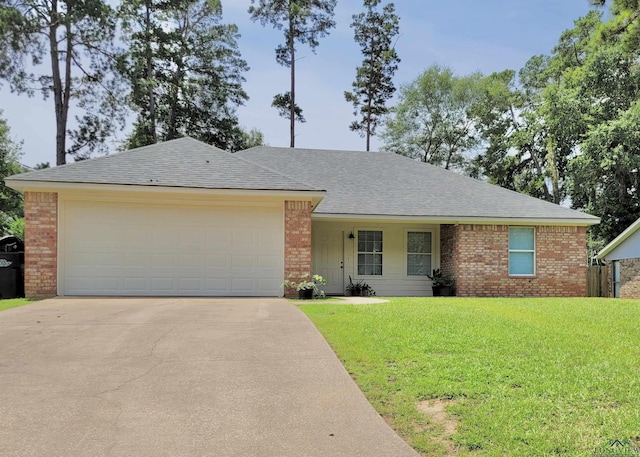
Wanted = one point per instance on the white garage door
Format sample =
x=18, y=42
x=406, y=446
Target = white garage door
x=143, y=249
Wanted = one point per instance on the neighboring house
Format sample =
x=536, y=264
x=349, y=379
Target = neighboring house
x=185, y=218
x=623, y=256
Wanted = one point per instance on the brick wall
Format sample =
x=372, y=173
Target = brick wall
x=297, y=240
x=449, y=249
x=41, y=244
x=481, y=261
x=630, y=278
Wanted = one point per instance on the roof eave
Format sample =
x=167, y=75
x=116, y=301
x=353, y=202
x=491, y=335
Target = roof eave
x=583, y=222
x=56, y=186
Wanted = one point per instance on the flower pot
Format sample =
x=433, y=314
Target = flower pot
x=442, y=291
x=305, y=294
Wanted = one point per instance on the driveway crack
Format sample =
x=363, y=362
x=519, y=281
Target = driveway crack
x=152, y=354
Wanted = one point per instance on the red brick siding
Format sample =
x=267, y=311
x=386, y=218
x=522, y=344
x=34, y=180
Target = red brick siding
x=41, y=244
x=629, y=278
x=297, y=240
x=481, y=263
x=449, y=249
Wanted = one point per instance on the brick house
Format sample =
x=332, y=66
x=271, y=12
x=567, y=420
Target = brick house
x=623, y=256
x=184, y=218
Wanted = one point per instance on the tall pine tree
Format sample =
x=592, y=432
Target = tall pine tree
x=303, y=21
x=74, y=40
x=374, y=31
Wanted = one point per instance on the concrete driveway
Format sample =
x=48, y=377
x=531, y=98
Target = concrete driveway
x=178, y=377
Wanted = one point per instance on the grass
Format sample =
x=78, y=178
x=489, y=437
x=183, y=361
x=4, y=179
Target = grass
x=529, y=377
x=13, y=303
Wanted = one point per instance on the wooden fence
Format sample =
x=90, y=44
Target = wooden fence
x=598, y=281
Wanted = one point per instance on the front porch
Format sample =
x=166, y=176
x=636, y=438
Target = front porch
x=394, y=258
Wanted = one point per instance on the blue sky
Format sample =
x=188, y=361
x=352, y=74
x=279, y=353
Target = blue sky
x=466, y=35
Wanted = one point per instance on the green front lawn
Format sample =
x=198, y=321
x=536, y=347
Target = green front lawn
x=526, y=377
x=13, y=303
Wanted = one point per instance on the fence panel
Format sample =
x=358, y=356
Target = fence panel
x=597, y=281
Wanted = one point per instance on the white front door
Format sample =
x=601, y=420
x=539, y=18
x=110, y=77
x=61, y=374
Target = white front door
x=328, y=260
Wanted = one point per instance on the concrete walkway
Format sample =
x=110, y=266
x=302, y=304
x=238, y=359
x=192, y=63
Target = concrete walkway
x=178, y=378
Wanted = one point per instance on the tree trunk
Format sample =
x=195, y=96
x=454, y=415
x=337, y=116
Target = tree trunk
x=553, y=171
x=152, y=101
x=369, y=91
x=172, y=128
x=58, y=90
x=369, y=121
x=292, y=112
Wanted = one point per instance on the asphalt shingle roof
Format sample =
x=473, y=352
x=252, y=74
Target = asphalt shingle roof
x=356, y=183
x=385, y=184
x=184, y=162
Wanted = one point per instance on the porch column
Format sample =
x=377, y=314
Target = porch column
x=297, y=241
x=41, y=244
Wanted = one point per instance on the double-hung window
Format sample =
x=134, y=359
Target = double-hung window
x=522, y=251
x=369, y=252
x=419, y=253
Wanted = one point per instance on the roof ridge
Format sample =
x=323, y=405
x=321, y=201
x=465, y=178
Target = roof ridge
x=118, y=154
x=275, y=171
x=312, y=149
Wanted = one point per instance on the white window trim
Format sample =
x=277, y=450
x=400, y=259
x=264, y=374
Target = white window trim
x=356, y=252
x=406, y=253
x=527, y=275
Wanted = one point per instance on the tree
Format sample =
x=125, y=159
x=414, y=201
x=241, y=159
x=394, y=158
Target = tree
x=303, y=21
x=185, y=70
x=374, y=31
x=604, y=172
x=606, y=175
x=74, y=38
x=252, y=138
x=432, y=120
x=533, y=126
x=283, y=103
x=11, y=203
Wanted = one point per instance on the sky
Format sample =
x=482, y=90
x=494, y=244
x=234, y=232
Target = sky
x=465, y=35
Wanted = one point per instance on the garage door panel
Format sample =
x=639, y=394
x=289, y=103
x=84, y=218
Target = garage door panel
x=136, y=284
x=268, y=261
x=217, y=261
x=242, y=285
x=136, y=249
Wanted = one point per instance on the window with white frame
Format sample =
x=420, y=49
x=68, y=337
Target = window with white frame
x=419, y=253
x=369, y=252
x=522, y=251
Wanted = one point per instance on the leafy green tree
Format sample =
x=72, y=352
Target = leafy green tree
x=533, y=125
x=185, y=71
x=74, y=40
x=374, y=31
x=511, y=155
x=11, y=203
x=606, y=175
x=432, y=120
x=252, y=138
x=304, y=22
x=604, y=172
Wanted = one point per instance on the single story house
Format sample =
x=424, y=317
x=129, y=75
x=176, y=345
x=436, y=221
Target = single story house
x=623, y=254
x=184, y=218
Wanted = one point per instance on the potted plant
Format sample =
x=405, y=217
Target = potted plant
x=306, y=285
x=353, y=289
x=359, y=289
x=441, y=284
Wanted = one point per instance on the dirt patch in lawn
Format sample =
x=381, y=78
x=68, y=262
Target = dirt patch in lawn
x=436, y=410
